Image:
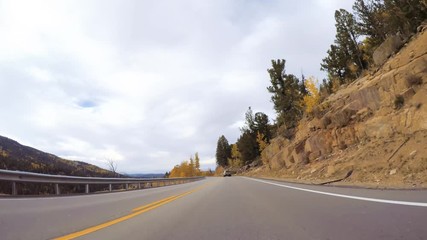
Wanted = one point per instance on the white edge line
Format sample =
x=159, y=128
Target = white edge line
x=418, y=204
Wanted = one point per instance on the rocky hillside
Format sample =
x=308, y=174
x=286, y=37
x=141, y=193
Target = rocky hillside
x=14, y=156
x=374, y=130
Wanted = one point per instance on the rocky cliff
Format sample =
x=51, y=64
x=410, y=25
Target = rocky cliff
x=374, y=130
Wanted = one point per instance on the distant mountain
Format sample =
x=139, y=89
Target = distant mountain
x=14, y=156
x=147, y=175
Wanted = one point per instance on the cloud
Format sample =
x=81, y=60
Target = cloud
x=148, y=84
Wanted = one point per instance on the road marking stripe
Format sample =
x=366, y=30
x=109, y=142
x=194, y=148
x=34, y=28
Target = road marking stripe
x=153, y=203
x=144, y=209
x=418, y=204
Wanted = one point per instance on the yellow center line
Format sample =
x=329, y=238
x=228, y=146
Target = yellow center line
x=153, y=203
x=135, y=212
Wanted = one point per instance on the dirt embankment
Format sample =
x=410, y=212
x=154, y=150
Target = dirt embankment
x=375, y=128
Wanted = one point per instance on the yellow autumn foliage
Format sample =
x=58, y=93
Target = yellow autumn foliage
x=313, y=96
x=185, y=169
x=262, y=144
x=219, y=171
x=3, y=153
x=235, y=160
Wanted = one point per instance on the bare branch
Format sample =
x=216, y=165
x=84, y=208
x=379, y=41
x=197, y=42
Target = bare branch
x=112, y=166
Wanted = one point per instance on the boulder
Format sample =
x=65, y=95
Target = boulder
x=255, y=163
x=387, y=48
x=366, y=97
x=342, y=117
x=408, y=93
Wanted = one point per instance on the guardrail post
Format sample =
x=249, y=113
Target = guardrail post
x=57, y=192
x=14, y=192
x=87, y=188
x=110, y=188
x=127, y=186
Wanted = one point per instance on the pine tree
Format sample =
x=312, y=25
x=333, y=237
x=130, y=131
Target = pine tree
x=248, y=147
x=345, y=58
x=223, y=151
x=287, y=98
x=247, y=142
x=262, y=126
x=191, y=166
x=249, y=121
x=197, y=161
x=346, y=38
x=371, y=20
x=404, y=16
x=303, y=90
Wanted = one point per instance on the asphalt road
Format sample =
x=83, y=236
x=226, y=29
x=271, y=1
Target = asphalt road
x=221, y=208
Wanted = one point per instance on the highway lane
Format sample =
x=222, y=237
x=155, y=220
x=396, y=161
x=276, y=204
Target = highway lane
x=48, y=217
x=220, y=208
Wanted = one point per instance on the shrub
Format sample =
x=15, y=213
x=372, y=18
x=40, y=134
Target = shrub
x=399, y=101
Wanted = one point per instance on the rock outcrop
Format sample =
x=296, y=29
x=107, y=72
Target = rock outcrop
x=387, y=48
x=362, y=124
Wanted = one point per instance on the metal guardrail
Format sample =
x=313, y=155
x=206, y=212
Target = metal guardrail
x=28, y=177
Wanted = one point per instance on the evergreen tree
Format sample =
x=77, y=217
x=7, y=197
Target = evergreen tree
x=191, y=166
x=345, y=59
x=287, y=98
x=346, y=37
x=197, y=161
x=303, y=90
x=254, y=124
x=335, y=63
x=223, y=151
x=325, y=89
x=248, y=147
x=257, y=122
x=371, y=20
x=249, y=121
x=262, y=126
x=404, y=16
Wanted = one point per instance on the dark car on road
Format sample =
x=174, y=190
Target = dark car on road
x=228, y=173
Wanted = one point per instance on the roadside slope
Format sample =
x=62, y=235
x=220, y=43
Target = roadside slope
x=374, y=128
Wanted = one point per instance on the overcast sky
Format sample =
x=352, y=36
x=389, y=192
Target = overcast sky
x=148, y=83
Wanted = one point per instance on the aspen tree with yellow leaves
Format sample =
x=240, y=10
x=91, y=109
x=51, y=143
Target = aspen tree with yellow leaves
x=235, y=160
x=313, y=96
x=262, y=143
x=190, y=168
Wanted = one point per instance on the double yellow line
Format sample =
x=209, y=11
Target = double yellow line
x=135, y=212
